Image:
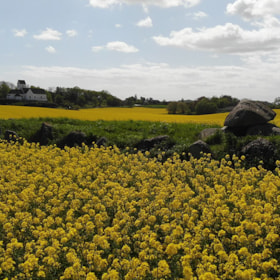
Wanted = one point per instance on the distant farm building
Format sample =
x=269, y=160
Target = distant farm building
x=23, y=93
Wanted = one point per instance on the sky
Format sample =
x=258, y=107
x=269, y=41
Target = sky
x=160, y=49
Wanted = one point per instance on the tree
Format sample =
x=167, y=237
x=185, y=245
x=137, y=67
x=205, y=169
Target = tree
x=182, y=108
x=276, y=102
x=226, y=101
x=204, y=106
x=49, y=96
x=59, y=99
x=171, y=107
x=130, y=101
x=4, y=90
x=81, y=100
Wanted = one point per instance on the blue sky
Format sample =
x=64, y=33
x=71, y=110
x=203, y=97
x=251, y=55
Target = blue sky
x=164, y=49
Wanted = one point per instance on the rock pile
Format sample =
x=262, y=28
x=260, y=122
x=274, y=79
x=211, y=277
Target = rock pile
x=251, y=118
x=246, y=118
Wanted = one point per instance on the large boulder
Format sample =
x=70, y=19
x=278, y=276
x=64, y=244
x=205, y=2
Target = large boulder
x=260, y=150
x=73, y=139
x=247, y=113
x=266, y=129
x=44, y=134
x=150, y=143
x=208, y=132
x=198, y=148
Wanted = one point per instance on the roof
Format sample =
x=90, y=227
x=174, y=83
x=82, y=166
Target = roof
x=25, y=90
x=15, y=91
x=38, y=91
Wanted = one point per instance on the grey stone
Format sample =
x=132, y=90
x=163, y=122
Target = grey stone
x=102, y=141
x=267, y=129
x=43, y=135
x=10, y=135
x=149, y=143
x=276, y=130
x=238, y=131
x=260, y=149
x=74, y=138
x=248, y=112
x=207, y=132
x=198, y=148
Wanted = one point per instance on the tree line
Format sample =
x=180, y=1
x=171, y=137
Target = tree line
x=202, y=105
x=75, y=98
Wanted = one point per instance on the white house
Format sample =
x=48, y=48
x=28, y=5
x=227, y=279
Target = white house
x=23, y=93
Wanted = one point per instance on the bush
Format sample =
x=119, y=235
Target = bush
x=205, y=106
x=171, y=107
x=216, y=138
x=178, y=108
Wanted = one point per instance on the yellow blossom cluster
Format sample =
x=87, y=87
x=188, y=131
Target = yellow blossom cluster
x=97, y=213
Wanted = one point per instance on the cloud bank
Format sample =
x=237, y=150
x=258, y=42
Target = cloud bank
x=228, y=38
x=252, y=9
x=162, y=81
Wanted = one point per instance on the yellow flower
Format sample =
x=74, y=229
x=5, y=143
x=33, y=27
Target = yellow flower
x=162, y=270
x=41, y=273
x=208, y=276
x=171, y=249
x=152, y=219
x=91, y=276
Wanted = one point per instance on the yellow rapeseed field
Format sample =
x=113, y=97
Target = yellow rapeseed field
x=97, y=213
x=136, y=113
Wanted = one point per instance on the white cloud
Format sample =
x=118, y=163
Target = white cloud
x=228, y=38
x=118, y=25
x=19, y=33
x=50, y=49
x=71, y=33
x=145, y=8
x=97, y=48
x=103, y=3
x=116, y=46
x=90, y=33
x=198, y=15
x=144, y=3
x=250, y=9
x=256, y=79
x=267, y=22
x=147, y=22
x=121, y=47
x=48, y=34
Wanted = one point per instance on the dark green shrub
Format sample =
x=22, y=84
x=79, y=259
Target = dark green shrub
x=204, y=106
x=216, y=138
x=172, y=107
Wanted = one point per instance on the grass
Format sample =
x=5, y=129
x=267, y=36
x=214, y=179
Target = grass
x=120, y=133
